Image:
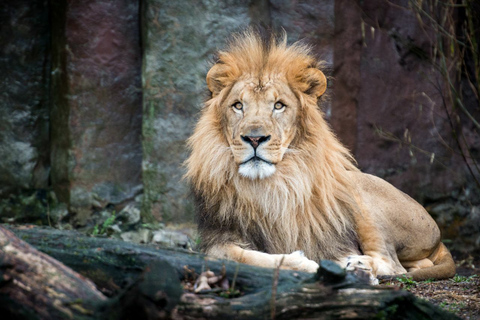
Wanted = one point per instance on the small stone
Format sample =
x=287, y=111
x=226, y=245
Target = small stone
x=170, y=238
x=130, y=214
x=58, y=212
x=115, y=228
x=140, y=236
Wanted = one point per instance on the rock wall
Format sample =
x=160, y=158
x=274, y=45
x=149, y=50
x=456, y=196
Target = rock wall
x=390, y=107
x=96, y=111
x=24, y=103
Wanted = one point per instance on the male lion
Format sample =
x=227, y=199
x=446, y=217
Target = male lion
x=272, y=182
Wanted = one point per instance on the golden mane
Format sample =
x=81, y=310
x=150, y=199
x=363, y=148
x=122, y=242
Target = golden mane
x=308, y=203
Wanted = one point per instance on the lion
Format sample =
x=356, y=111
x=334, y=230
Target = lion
x=274, y=185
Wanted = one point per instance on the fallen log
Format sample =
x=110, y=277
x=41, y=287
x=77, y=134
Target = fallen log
x=34, y=284
x=139, y=282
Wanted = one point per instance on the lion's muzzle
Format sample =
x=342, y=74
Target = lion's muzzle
x=255, y=166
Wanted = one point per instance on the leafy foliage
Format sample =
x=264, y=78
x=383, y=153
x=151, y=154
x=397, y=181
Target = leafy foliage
x=100, y=230
x=407, y=282
x=458, y=278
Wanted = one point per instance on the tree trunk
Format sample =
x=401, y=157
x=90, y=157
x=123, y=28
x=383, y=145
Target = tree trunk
x=144, y=282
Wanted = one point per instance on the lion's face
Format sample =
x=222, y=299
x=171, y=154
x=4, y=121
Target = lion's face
x=260, y=94
x=260, y=116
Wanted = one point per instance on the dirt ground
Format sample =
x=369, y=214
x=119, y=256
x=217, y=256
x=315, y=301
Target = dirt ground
x=460, y=295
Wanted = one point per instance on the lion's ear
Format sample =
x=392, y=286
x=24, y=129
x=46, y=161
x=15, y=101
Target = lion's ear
x=216, y=78
x=316, y=81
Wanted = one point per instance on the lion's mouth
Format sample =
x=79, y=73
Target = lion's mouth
x=256, y=167
x=256, y=158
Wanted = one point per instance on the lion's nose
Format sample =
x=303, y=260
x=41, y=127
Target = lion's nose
x=255, y=141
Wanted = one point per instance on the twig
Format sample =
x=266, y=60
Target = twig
x=236, y=273
x=48, y=214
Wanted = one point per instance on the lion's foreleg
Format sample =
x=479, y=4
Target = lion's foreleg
x=293, y=261
x=378, y=257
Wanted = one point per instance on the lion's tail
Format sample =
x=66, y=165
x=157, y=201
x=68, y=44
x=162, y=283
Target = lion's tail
x=443, y=266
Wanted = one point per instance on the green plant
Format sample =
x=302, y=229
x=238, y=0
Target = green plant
x=230, y=293
x=458, y=278
x=407, y=282
x=452, y=307
x=97, y=230
x=107, y=223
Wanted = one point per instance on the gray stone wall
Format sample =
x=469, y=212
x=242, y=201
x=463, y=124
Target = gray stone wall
x=96, y=111
x=24, y=110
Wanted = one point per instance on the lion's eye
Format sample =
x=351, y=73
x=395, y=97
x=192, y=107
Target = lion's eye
x=238, y=105
x=279, y=106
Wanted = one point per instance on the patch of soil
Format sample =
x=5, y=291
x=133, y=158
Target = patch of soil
x=459, y=295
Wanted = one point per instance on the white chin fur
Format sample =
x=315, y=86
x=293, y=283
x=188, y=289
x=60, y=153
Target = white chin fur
x=256, y=169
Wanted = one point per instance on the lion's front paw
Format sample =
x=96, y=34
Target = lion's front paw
x=297, y=261
x=363, y=264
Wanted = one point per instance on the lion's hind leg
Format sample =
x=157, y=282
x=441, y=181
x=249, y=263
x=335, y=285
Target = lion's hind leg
x=439, y=265
x=417, y=264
